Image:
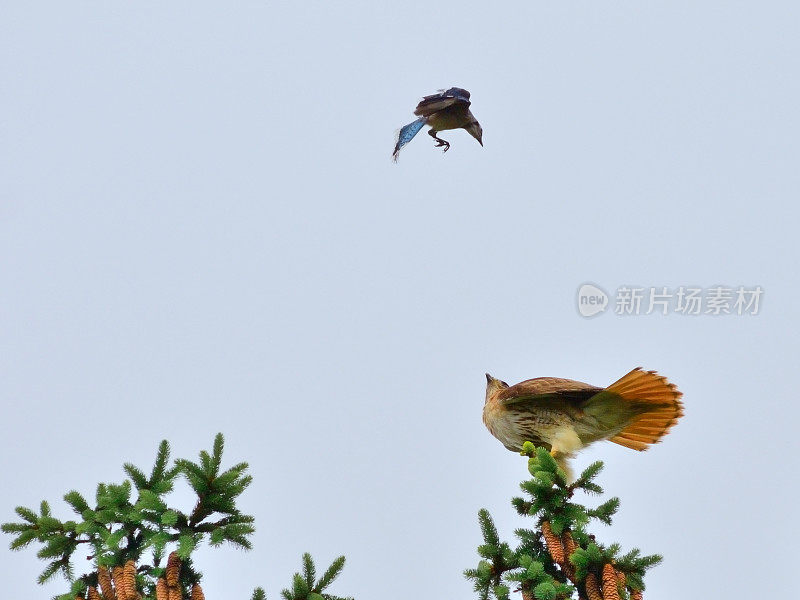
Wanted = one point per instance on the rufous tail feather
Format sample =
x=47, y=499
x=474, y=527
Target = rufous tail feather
x=647, y=387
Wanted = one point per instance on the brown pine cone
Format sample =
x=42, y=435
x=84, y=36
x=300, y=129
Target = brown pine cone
x=527, y=595
x=197, y=592
x=636, y=594
x=175, y=593
x=92, y=594
x=569, y=543
x=161, y=589
x=610, y=591
x=129, y=580
x=118, y=577
x=569, y=547
x=553, y=543
x=621, y=579
x=104, y=579
x=173, y=569
x=592, y=587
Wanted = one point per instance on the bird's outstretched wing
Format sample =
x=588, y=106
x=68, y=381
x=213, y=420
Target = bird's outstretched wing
x=405, y=135
x=445, y=99
x=544, y=388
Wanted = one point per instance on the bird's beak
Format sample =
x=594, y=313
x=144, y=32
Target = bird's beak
x=489, y=378
x=481, y=143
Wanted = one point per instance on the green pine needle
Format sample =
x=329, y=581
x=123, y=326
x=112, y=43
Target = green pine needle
x=27, y=514
x=137, y=476
x=309, y=571
x=544, y=591
x=488, y=528
x=330, y=574
x=219, y=443
x=259, y=594
x=160, y=465
x=76, y=501
x=299, y=587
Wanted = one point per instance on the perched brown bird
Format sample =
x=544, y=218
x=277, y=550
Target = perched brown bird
x=566, y=416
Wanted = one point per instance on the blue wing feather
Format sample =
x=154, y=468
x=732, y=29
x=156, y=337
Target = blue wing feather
x=407, y=134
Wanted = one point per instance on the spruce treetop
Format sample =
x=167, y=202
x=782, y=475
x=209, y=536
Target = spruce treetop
x=559, y=558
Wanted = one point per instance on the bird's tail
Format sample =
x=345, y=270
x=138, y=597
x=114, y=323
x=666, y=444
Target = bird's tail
x=655, y=402
x=406, y=134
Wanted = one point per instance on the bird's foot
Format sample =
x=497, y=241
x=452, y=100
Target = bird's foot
x=443, y=143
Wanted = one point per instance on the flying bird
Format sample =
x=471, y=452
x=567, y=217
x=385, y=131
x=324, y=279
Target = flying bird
x=565, y=416
x=449, y=109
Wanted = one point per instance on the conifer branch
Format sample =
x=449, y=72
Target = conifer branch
x=559, y=559
x=259, y=594
x=303, y=586
x=132, y=520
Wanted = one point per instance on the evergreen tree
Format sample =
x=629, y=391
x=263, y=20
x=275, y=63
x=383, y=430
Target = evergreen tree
x=559, y=559
x=305, y=587
x=130, y=528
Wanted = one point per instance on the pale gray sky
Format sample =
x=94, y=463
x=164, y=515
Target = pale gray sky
x=201, y=230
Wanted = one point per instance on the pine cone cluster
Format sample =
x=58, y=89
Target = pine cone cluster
x=606, y=588
x=120, y=583
x=171, y=589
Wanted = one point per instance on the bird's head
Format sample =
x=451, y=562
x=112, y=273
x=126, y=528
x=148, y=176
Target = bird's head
x=493, y=386
x=475, y=131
